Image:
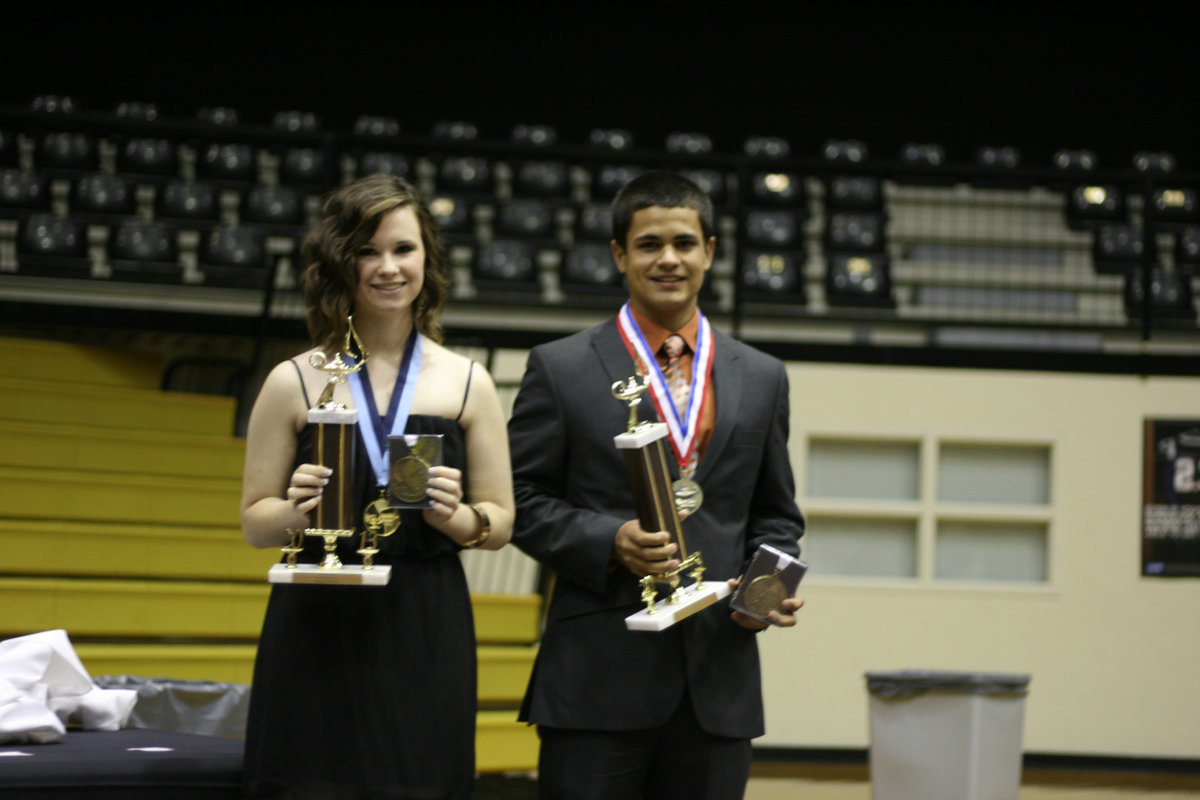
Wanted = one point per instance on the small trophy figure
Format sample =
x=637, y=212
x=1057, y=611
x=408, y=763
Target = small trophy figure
x=333, y=518
x=658, y=503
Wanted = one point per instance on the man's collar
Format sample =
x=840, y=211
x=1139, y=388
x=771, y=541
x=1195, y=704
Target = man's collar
x=656, y=334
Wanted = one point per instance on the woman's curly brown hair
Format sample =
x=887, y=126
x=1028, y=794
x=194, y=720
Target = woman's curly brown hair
x=349, y=218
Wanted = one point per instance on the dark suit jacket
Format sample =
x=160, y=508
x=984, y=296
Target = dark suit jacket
x=572, y=494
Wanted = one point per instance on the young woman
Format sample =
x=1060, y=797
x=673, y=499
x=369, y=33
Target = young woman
x=370, y=691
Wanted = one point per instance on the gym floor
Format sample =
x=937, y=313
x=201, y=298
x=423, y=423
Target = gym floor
x=851, y=782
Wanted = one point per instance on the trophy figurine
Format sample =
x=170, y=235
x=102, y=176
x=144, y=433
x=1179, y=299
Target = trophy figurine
x=658, y=502
x=333, y=518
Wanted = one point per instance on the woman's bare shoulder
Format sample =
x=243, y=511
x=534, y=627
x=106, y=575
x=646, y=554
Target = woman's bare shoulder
x=439, y=355
x=290, y=382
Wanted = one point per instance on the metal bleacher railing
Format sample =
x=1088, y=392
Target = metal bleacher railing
x=195, y=225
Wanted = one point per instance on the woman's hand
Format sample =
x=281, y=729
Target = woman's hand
x=306, y=485
x=446, y=492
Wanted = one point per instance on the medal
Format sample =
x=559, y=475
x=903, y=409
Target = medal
x=409, y=479
x=765, y=594
x=688, y=495
x=379, y=518
x=412, y=455
x=375, y=429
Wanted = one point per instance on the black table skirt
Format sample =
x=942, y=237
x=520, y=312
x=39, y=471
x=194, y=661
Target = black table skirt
x=110, y=764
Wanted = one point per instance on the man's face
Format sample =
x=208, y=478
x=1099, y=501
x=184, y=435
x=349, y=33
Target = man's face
x=664, y=259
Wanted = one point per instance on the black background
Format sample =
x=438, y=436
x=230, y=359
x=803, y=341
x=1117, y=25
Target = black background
x=963, y=75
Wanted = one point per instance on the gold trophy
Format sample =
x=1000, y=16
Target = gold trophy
x=658, y=503
x=333, y=518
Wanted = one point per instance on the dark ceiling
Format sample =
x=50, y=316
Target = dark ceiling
x=963, y=77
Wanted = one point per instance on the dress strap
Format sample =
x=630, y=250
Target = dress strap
x=303, y=390
x=466, y=391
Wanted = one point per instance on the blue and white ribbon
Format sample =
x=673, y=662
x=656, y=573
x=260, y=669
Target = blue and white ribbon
x=375, y=429
x=683, y=431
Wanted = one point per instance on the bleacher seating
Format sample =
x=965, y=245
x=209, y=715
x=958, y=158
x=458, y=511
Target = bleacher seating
x=52, y=246
x=838, y=238
x=120, y=523
x=103, y=198
x=23, y=192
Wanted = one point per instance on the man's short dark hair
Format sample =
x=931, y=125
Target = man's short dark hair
x=659, y=188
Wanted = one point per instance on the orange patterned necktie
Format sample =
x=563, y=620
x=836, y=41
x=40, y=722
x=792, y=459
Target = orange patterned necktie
x=677, y=384
x=673, y=348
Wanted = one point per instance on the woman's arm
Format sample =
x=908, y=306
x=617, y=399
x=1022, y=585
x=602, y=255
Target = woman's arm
x=488, y=471
x=276, y=496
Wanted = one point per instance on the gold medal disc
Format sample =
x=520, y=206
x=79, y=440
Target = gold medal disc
x=764, y=594
x=380, y=518
x=409, y=479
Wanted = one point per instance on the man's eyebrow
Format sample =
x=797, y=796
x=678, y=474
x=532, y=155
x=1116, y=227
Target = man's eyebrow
x=658, y=237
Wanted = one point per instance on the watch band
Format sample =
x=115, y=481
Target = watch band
x=485, y=529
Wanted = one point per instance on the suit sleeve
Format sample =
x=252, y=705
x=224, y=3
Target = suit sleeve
x=774, y=517
x=552, y=527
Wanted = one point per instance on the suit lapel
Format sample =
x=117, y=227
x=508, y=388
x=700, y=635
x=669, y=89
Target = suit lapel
x=613, y=356
x=727, y=377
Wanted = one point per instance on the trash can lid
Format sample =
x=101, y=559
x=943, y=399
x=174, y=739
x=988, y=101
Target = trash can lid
x=911, y=682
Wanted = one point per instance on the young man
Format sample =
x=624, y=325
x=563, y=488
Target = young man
x=630, y=714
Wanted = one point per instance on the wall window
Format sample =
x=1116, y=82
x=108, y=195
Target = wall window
x=928, y=510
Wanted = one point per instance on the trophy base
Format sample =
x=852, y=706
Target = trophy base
x=349, y=575
x=667, y=613
x=647, y=433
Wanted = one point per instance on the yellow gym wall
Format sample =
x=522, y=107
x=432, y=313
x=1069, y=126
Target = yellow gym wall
x=1114, y=657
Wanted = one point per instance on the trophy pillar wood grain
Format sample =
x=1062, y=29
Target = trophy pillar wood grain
x=333, y=447
x=650, y=479
x=644, y=446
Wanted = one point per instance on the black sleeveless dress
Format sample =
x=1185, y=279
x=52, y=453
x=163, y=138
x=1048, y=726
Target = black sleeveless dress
x=369, y=692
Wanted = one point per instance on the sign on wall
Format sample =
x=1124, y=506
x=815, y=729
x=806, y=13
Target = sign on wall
x=1171, y=498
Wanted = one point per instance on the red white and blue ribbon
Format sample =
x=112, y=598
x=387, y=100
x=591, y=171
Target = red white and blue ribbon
x=374, y=428
x=683, y=431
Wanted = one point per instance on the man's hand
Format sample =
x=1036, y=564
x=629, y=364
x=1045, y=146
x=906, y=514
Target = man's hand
x=783, y=617
x=644, y=553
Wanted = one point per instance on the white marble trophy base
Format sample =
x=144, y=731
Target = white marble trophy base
x=648, y=432
x=667, y=613
x=346, y=575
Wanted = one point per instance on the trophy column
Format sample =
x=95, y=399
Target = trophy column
x=658, y=510
x=334, y=446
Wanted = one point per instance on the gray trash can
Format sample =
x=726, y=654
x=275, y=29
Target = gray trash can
x=946, y=735
x=210, y=708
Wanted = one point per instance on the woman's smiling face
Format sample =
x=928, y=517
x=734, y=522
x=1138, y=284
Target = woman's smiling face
x=391, y=265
